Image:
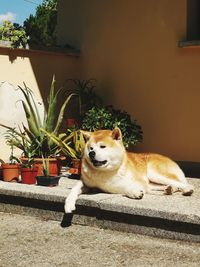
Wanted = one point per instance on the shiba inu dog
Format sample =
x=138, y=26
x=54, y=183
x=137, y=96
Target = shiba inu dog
x=107, y=166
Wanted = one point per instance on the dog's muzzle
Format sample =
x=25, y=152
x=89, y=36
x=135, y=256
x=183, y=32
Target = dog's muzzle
x=95, y=162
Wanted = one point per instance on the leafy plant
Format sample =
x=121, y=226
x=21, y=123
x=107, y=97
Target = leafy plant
x=14, y=33
x=78, y=143
x=42, y=27
x=72, y=144
x=32, y=140
x=10, y=136
x=87, y=98
x=98, y=118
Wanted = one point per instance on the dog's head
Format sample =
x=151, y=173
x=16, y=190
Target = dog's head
x=104, y=149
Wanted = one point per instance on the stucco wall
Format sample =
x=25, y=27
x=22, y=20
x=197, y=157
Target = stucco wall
x=36, y=69
x=130, y=46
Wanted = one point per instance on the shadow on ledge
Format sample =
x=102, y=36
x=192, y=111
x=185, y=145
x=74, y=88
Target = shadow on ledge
x=191, y=169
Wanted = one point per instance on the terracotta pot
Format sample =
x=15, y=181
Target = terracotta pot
x=28, y=175
x=47, y=180
x=71, y=123
x=10, y=172
x=76, y=163
x=75, y=169
x=55, y=165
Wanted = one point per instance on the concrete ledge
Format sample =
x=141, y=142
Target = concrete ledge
x=175, y=216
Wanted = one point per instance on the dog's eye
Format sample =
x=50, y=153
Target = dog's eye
x=102, y=146
x=91, y=148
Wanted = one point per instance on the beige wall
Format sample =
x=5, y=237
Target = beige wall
x=130, y=46
x=36, y=69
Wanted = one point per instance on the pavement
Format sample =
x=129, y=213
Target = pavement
x=168, y=216
x=34, y=242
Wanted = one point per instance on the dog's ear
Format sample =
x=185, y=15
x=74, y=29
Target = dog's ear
x=117, y=134
x=86, y=134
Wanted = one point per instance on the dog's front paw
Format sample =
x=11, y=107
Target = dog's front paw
x=69, y=205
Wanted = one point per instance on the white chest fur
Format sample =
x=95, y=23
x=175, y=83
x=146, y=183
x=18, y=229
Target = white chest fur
x=118, y=181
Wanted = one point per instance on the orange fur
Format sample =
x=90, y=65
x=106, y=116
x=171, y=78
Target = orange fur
x=107, y=166
x=143, y=168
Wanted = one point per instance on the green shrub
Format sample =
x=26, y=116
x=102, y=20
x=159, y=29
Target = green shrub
x=13, y=33
x=99, y=118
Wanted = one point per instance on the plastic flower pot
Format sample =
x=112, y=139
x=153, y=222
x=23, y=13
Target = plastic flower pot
x=28, y=175
x=10, y=172
x=47, y=180
x=75, y=169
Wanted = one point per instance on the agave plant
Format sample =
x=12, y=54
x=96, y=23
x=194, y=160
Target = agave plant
x=32, y=140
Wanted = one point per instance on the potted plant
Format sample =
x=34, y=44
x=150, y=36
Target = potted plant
x=78, y=143
x=28, y=174
x=72, y=145
x=10, y=170
x=98, y=118
x=86, y=98
x=46, y=179
x=37, y=140
x=29, y=170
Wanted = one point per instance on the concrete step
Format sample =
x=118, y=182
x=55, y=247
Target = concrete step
x=169, y=216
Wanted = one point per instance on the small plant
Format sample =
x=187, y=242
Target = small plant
x=47, y=179
x=14, y=33
x=45, y=166
x=30, y=160
x=78, y=143
x=10, y=139
x=99, y=118
x=29, y=150
x=87, y=98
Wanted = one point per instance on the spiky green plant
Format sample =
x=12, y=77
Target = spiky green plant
x=72, y=144
x=31, y=139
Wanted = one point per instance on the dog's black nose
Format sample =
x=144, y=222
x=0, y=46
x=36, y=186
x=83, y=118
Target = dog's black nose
x=92, y=154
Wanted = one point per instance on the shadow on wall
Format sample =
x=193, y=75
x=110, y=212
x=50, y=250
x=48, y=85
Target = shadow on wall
x=43, y=66
x=47, y=64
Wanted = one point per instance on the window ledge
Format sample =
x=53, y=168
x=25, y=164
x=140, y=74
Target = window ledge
x=189, y=44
